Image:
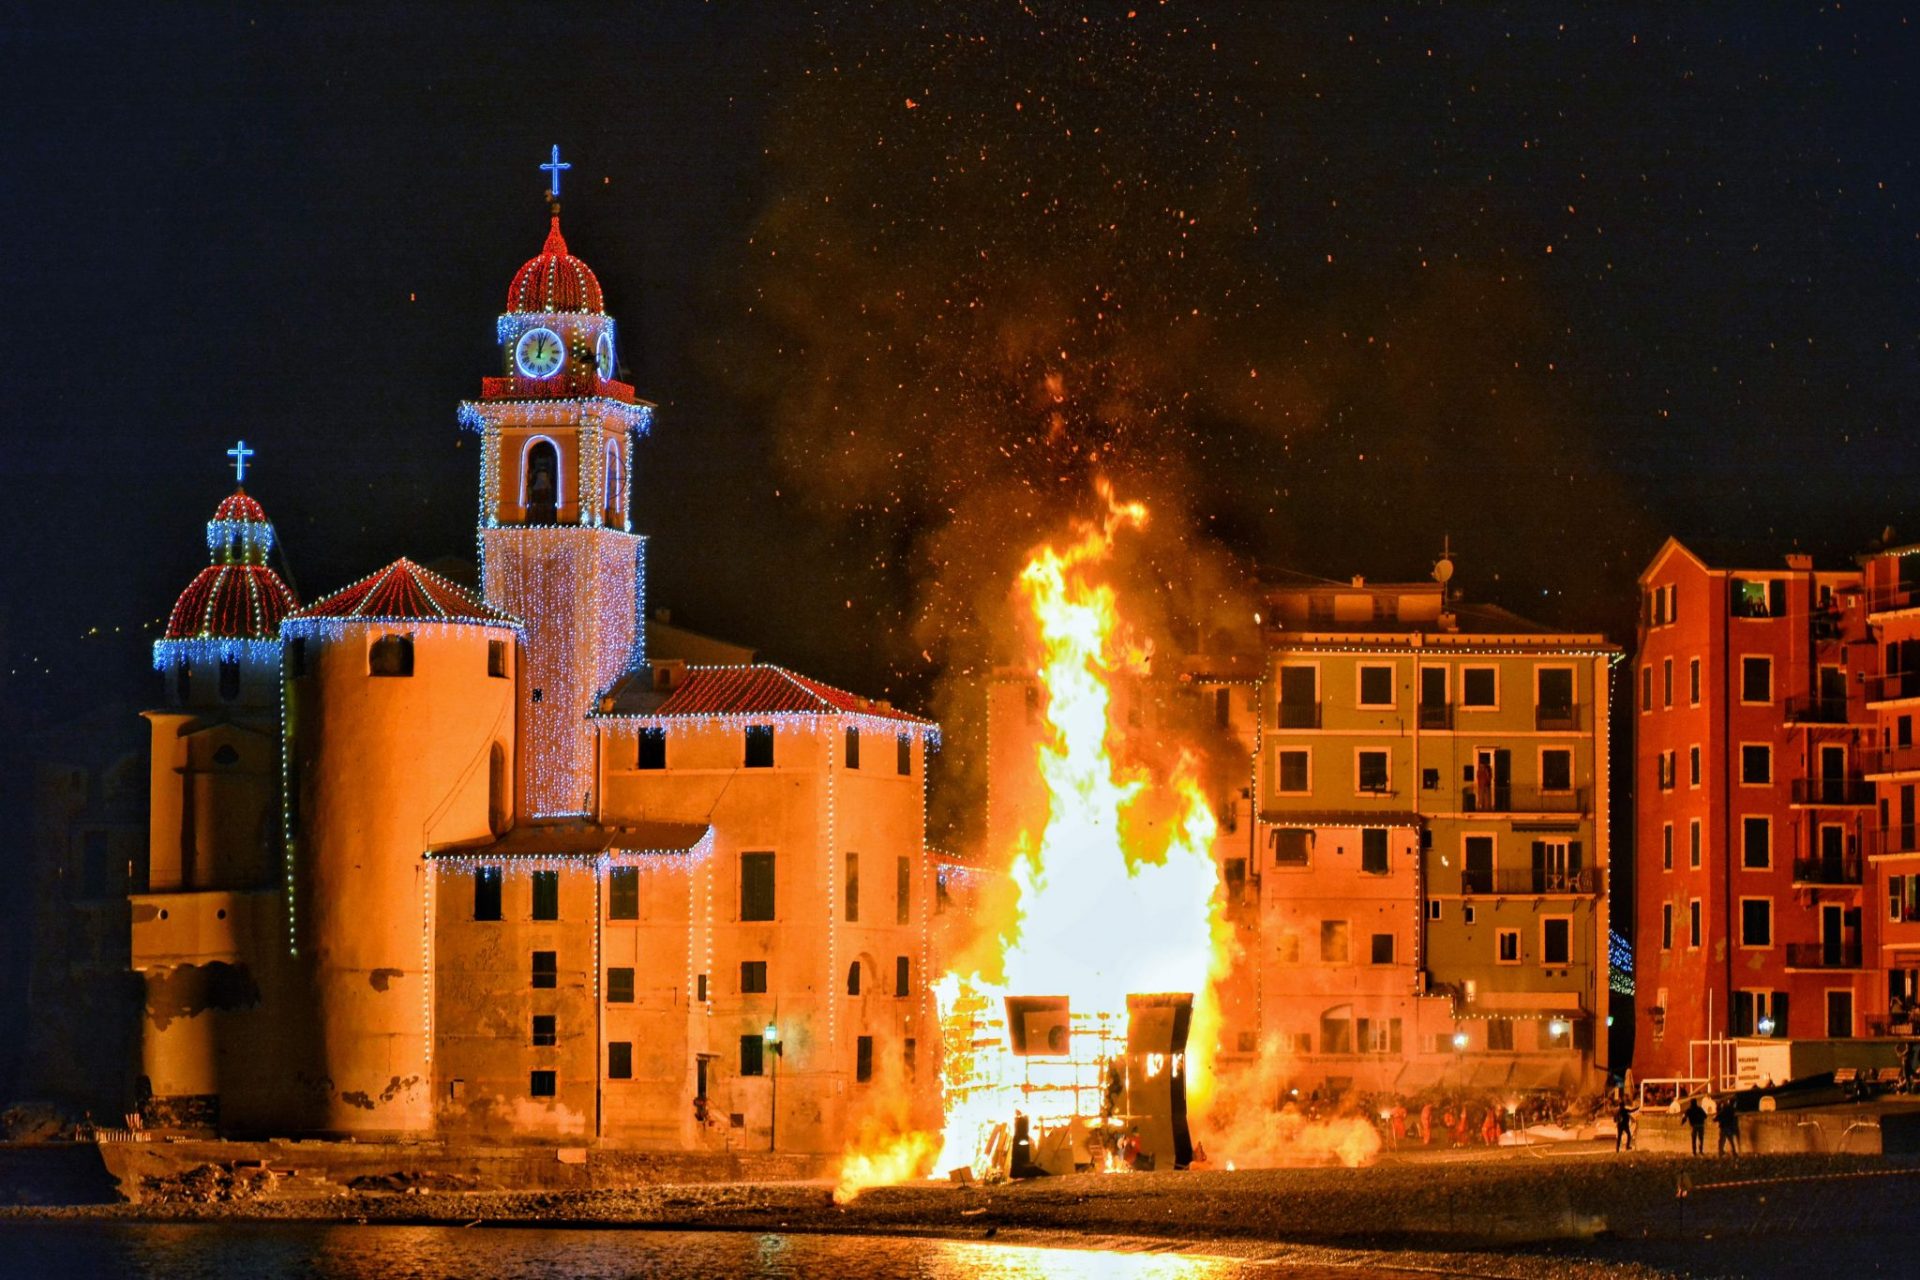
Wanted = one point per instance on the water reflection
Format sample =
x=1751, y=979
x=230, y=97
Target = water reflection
x=228, y=1250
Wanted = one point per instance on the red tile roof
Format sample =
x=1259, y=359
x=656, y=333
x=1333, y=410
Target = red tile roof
x=231, y=602
x=404, y=590
x=763, y=689
x=554, y=280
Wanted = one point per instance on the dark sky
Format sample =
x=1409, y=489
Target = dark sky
x=1329, y=282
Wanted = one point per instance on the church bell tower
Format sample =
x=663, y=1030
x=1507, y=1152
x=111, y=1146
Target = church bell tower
x=557, y=430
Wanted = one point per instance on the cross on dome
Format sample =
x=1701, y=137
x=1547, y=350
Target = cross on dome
x=239, y=453
x=554, y=166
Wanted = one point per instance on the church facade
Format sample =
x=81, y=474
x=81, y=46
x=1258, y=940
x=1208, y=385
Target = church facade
x=432, y=863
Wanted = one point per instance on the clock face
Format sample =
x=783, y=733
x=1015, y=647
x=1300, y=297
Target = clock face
x=603, y=356
x=539, y=353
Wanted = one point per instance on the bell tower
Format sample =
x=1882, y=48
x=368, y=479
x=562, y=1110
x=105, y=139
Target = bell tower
x=557, y=430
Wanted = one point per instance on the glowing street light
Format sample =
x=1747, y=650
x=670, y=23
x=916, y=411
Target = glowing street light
x=1460, y=1040
x=771, y=1039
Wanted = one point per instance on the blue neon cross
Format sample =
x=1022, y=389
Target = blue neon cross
x=554, y=167
x=240, y=453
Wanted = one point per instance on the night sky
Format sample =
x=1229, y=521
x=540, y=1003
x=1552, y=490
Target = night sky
x=1324, y=283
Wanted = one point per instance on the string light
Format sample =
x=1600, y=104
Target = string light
x=232, y=610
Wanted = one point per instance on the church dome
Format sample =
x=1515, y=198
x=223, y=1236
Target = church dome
x=554, y=280
x=237, y=602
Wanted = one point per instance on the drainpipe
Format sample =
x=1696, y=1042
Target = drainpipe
x=1726, y=787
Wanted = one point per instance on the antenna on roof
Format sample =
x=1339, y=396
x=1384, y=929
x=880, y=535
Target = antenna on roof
x=1443, y=567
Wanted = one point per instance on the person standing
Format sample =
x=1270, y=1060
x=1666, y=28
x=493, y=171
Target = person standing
x=1727, y=1119
x=1696, y=1117
x=1623, y=1125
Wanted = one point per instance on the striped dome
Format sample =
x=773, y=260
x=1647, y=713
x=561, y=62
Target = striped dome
x=239, y=506
x=554, y=280
x=231, y=602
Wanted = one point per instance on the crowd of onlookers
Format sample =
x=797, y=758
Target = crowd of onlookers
x=1435, y=1119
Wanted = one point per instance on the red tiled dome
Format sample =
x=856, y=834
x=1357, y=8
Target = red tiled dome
x=405, y=591
x=231, y=602
x=555, y=280
x=238, y=506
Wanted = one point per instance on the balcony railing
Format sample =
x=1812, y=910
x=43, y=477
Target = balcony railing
x=1900, y=684
x=1886, y=599
x=1556, y=717
x=1810, y=710
x=1886, y=1024
x=1823, y=870
x=1885, y=840
x=1436, y=715
x=1587, y=880
x=1299, y=715
x=1833, y=791
x=1512, y=799
x=1823, y=955
x=1890, y=759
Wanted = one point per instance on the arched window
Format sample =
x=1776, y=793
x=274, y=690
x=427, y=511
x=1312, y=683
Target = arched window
x=499, y=802
x=229, y=679
x=610, y=512
x=390, y=655
x=853, y=978
x=540, y=488
x=1336, y=1029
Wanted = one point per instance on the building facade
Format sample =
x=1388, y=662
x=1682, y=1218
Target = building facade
x=1432, y=792
x=1755, y=728
x=427, y=861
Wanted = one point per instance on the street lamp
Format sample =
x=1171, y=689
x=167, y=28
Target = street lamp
x=770, y=1038
x=1460, y=1040
x=1766, y=1026
x=1556, y=1028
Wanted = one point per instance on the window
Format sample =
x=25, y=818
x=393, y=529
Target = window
x=902, y=890
x=1500, y=1035
x=1693, y=681
x=1664, y=761
x=1556, y=940
x=1506, y=946
x=1646, y=688
x=543, y=1084
x=1294, y=778
x=1666, y=926
x=653, y=749
x=546, y=895
x=390, y=655
x=1376, y=686
x=1479, y=687
x=1693, y=766
x=1466, y=913
x=1371, y=771
x=1693, y=843
x=1666, y=682
x=229, y=679
x=497, y=659
x=486, y=893
x=1373, y=850
x=1556, y=769
x=1756, y=922
x=1693, y=924
x=1379, y=1035
x=756, y=886
x=1336, y=1030
x=1290, y=846
x=759, y=746
x=1761, y=598
x=753, y=977
x=903, y=754
x=1476, y=876
x=623, y=893
x=619, y=1059
x=1223, y=708
x=1382, y=949
x=902, y=977
x=1335, y=947
x=700, y=988
x=1299, y=697
x=1756, y=842
x=1554, y=696
x=853, y=888
x=1756, y=764
x=297, y=657
x=545, y=1034
x=1756, y=680
x=908, y=1054
x=620, y=985
x=863, y=1059
x=540, y=480
x=853, y=747
x=853, y=978
x=1666, y=846
x=1433, y=908
x=752, y=1055
x=546, y=969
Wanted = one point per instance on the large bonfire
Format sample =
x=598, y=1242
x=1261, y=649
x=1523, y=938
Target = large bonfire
x=1117, y=893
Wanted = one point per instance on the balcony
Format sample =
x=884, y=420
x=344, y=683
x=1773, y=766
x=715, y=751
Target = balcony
x=1838, y=954
x=1299, y=715
x=1556, y=717
x=1886, y=1024
x=1887, y=598
x=1833, y=792
x=1891, y=688
x=1885, y=840
x=1842, y=870
x=1587, y=880
x=1890, y=760
x=1811, y=710
x=1436, y=715
x=1511, y=799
